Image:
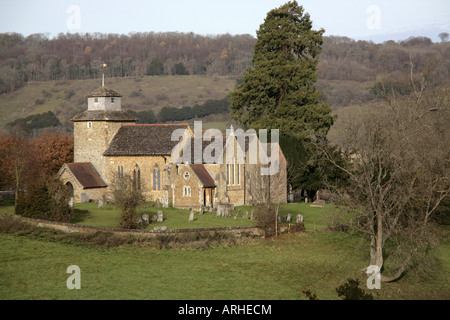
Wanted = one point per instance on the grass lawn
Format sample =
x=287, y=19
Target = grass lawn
x=263, y=269
x=109, y=216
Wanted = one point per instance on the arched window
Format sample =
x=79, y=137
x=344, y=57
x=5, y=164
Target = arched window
x=156, y=178
x=137, y=177
x=187, y=191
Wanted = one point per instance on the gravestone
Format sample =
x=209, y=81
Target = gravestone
x=154, y=218
x=299, y=218
x=252, y=215
x=84, y=197
x=191, y=216
x=145, y=217
x=157, y=203
x=163, y=228
x=289, y=217
x=71, y=202
x=100, y=203
x=237, y=214
x=160, y=217
x=165, y=202
x=245, y=215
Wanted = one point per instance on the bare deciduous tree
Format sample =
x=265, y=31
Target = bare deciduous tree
x=399, y=174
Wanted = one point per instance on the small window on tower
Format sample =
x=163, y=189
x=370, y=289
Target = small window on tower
x=89, y=124
x=112, y=100
x=96, y=100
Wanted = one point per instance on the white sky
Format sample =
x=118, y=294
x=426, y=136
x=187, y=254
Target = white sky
x=376, y=20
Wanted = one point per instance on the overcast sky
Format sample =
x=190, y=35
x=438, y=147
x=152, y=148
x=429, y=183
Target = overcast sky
x=376, y=20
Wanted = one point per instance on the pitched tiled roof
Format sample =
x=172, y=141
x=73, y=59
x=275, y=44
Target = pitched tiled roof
x=144, y=140
x=203, y=175
x=102, y=115
x=103, y=92
x=86, y=174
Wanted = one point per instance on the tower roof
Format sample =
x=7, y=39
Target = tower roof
x=103, y=115
x=103, y=92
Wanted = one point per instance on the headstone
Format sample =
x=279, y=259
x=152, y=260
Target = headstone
x=157, y=228
x=252, y=215
x=290, y=197
x=154, y=218
x=289, y=217
x=237, y=214
x=306, y=200
x=160, y=217
x=165, y=202
x=84, y=197
x=299, y=218
x=145, y=217
x=245, y=215
x=100, y=203
x=163, y=228
x=191, y=216
x=157, y=203
x=71, y=202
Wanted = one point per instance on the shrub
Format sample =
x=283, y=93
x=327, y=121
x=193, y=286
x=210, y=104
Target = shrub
x=266, y=220
x=45, y=198
x=128, y=197
x=351, y=291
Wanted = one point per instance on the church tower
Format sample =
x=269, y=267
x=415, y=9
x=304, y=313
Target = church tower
x=95, y=127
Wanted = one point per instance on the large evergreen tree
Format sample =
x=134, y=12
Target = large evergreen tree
x=278, y=91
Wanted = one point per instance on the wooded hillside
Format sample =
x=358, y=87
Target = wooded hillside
x=154, y=69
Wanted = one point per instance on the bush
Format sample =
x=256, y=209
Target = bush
x=266, y=220
x=128, y=197
x=46, y=198
x=351, y=291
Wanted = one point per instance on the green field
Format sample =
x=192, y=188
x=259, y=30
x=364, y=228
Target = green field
x=262, y=269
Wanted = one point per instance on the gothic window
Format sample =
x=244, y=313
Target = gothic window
x=120, y=171
x=237, y=174
x=228, y=174
x=139, y=179
x=232, y=173
x=136, y=177
x=156, y=178
x=187, y=191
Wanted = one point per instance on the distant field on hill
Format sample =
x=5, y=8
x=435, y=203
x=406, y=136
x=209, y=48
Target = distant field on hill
x=68, y=98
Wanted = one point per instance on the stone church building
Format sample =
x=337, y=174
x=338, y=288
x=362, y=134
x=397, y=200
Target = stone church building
x=108, y=144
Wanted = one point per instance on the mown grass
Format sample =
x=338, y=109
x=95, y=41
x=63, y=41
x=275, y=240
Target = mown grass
x=33, y=265
x=262, y=270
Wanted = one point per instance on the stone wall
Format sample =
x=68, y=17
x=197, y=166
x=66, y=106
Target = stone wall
x=91, y=139
x=92, y=194
x=145, y=164
x=68, y=227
